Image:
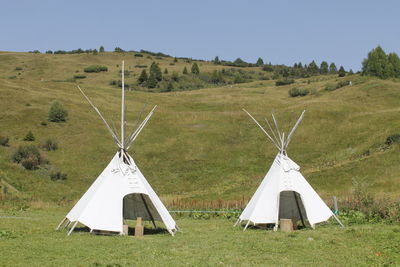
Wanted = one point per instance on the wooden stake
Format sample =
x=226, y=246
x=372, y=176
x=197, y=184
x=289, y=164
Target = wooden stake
x=139, y=229
x=286, y=225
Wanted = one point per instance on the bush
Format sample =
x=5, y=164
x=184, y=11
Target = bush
x=29, y=157
x=18, y=68
x=95, y=68
x=79, y=76
x=284, y=82
x=4, y=140
x=29, y=137
x=57, y=112
x=43, y=123
x=332, y=87
x=294, y=92
x=49, y=145
x=58, y=176
x=393, y=139
x=141, y=66
x=138, y=55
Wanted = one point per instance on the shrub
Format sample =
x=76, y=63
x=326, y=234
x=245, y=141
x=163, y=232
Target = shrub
x=29, y=157
x=330, y=87
x=141, y=66
x=138, y=55
x=79, y=76
x=29, y=137
x=393, y=139
x=294, y=92
x=284, y=82
x=4, y=140
x=113, y=82
x=95, y=68
x=185, y=71
x=58, y=176
x=43, y=123
x=175, y=76
x=18, y=68
x=49, y=145
x=57, y=112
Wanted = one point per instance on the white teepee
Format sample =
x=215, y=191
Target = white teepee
x=121, y=191
x=284, y=192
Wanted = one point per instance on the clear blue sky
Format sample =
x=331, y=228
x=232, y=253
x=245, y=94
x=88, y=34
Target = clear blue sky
x=282, y=32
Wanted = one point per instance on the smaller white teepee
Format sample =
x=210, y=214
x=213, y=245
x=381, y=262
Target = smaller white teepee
x=284, y=192
x=121, y=191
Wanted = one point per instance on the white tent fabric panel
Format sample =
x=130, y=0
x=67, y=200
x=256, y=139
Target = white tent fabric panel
x=284, y=175
x=101, y=207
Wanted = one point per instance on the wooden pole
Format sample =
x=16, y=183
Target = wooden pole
x=139, y=229
x=298, y=208
x=123, y=109
x=148, y=211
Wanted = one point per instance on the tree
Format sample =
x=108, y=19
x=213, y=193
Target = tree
x=101, y=49
x=57, y=112
x=313, y=68
x=376, y=64
x=95, y=52
x=324, y=68
x=260, y=62
x=166, y=71
x=152, y=81
x=185, y=71
x=118, y=50
x=394, y=65
x=143, y=77
x=217, y=61
x=156, y=71
x=332, y=68
x=341, y=72
x=195, y=68
x=175, y=60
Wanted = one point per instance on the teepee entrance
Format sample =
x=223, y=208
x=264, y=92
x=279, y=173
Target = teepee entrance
x=291, y=207
x=139, y=205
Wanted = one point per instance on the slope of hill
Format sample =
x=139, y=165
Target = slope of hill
x=199, y=144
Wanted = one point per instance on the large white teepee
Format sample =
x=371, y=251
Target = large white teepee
x=121, y=191
x=284, y=192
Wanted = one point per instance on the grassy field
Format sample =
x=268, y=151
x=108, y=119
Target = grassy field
x=28, y=238
x=199, y=144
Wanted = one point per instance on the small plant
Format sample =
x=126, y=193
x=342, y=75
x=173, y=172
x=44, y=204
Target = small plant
x=79, y=76
x=138, y=55
x=4, y=140
x=58, y=176
x=294, y=92
x=29, y=137
x=29, y=157
x=43, y=123
x=57, y=112
x=95, y=68
x=18, y=68
x=393, y=139
x=49, y=145
x=284, y=82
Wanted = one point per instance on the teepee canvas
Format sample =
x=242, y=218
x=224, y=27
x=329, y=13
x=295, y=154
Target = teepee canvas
x=121, y=191
x=284, y=193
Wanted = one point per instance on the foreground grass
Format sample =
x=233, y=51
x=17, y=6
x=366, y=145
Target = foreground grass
x=28, y=238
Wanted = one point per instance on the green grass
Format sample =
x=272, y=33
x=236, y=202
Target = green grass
x=199, y=144
x=29, y=239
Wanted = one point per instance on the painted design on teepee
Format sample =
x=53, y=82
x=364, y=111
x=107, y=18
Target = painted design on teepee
x=121, y=191
x=284, y=191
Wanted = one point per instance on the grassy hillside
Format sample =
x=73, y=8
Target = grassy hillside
x=199, y=144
